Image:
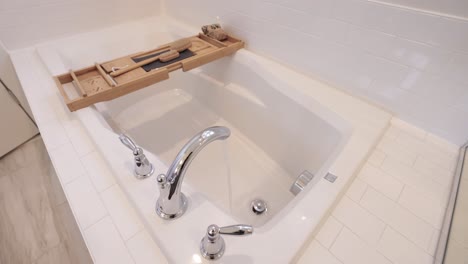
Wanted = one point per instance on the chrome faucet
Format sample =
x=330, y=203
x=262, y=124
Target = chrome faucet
x=143, y=168
x=172, y=203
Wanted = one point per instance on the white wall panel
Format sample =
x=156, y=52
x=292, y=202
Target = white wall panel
x=412, y=63
x=25, y=22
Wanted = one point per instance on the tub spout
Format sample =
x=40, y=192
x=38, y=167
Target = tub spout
x=172, y=203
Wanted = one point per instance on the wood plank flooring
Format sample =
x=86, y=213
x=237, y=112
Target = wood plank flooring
x=36, y=223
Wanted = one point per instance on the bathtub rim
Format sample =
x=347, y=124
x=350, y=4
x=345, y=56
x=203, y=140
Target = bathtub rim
x=358, y=132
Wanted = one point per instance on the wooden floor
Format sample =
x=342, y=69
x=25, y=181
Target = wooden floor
x=36, y=223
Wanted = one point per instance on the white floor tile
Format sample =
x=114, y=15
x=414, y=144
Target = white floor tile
x=409, y=176
x=66, y=163
x=329, y=231
x=411, y=142
x=408, y=128
x=98, y=171
x=121, y=212
x=396, y=151
x=367, y=226
x=432, y=170
x=381, y=181
x=85, y=202
x=316, y=253
x=392, y=132
x=357, y=190
x=144, y=250
x=400, y=250
x=376, y=158
x=349, y=249
x=105, y=243
x=425, y=207
x=442, y=143
x=405, y=185
x=399, y=218
x=427, y=150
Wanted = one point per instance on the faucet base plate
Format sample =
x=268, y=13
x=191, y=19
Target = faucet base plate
x=144, y=176
x=182, y=210
x=211, y=256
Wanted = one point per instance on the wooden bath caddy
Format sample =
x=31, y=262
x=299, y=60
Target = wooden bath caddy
x=93, y=84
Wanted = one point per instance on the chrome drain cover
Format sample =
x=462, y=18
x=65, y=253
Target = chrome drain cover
x=259, y=206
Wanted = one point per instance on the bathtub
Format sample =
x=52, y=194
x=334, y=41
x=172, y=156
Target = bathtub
x=273, y=138
x=278, y=130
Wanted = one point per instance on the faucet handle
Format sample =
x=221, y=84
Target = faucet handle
x=236, y=230
x=128, y=142
x=143, y=168
x=212, y=245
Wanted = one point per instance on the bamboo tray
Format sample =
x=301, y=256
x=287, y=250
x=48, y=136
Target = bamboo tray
x=93, y=84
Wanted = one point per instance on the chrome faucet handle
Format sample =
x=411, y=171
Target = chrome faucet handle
x=143, y=168
x=128, y=142
x=212, y=245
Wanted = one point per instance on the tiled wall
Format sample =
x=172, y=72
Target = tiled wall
x=25, y=22
x=394, y=209
x=413, y=64
x=457, y=8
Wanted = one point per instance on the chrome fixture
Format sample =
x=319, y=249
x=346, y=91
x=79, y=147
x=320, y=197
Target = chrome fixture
x=301, y=182
x=143, y=168
x=259, y=206
x=172, y=203
x=330, y=177
x=212, y=245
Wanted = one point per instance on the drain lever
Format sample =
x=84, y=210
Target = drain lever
x=301, y=182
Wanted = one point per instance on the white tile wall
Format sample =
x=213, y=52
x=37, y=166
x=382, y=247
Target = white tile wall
x=329, y=231
x=369, y=227
x=98, y=171
x=399, y=249
x=350, y=249
x=381, y=181
x=121, y=212
x=101, y=238
x=409, y=62
x=316, y=253
x=457, y=8
x=143, y=249
x=25, y=22
x=85, y=201
x=381, y=219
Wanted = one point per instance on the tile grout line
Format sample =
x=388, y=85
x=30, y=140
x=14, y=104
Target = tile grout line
x=374, y=247
x=336, y=237
x=425, y=250
x=121, y=237
x=328, y=249
x=400, y=194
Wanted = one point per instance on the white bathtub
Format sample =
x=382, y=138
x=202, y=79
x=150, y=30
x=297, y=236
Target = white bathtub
x=280, y=127
x=273, y=138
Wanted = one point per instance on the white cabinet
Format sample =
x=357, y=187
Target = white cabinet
x=15, y=125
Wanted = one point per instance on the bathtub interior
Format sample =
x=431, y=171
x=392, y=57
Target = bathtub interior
x=273, y=138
